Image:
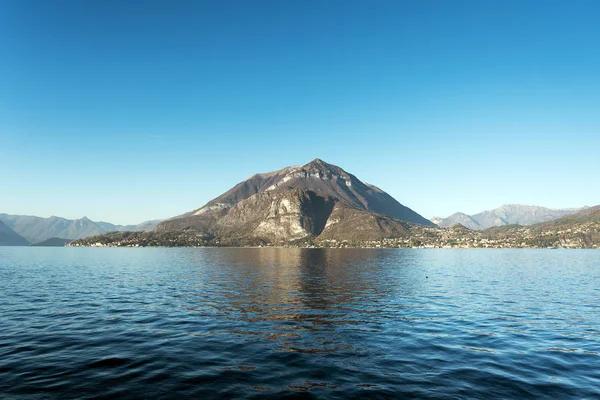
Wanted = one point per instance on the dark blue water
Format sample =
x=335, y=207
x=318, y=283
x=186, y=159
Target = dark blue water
x=308, y=323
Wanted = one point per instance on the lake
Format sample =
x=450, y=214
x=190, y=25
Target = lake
x=299, y=323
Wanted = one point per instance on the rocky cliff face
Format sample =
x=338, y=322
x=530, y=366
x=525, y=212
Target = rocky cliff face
x=299, y=202
x=290, y=215
x=284, y=216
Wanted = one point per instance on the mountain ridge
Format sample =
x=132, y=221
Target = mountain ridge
x=9, y=237
x=38, y=229
x=506, y=214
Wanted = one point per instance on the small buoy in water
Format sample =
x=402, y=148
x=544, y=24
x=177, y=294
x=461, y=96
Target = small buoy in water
x=426, y=277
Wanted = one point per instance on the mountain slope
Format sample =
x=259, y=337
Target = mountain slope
x=508, y=214
x=53, y=242
x=460, y=219
x=8, y=237
x=277, y=216
x=272, y=217
x=355, y=225
x=587, y=216
x=38, y=229
x=580, y=230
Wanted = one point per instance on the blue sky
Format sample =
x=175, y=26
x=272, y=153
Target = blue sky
x=128, y=111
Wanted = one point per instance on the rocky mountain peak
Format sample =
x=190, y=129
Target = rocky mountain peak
x=319, y=169
x=317, y=163
x=299, y=201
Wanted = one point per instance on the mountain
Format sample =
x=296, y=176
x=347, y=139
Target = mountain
x=459, y=219
x=8, y=237
x=298, y=202
x=579, y=230
x=319, y=177
x=38, y=229
x=584, y=217
x=146, y=226
x=509, y=214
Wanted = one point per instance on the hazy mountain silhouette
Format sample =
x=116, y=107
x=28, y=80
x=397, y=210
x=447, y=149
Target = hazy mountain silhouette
x=37, y=229
x=508, y=214
x=8, y=237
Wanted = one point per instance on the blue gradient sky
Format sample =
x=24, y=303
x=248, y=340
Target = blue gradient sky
x=128, y=110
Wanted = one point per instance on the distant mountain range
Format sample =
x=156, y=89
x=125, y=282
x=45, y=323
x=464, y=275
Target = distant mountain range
x=509, y=214
x=38, y=229
x=578, y=230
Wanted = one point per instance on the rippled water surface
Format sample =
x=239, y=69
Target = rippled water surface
x=308, y=323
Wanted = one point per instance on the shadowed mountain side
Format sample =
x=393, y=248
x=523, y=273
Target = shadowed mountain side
x=274, y=216
x=8, y=237
x=358, y=225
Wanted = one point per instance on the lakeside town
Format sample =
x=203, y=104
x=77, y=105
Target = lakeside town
x=462, y=238
x=577, y=236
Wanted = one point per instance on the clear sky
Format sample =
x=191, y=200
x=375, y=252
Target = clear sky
x=132, y=110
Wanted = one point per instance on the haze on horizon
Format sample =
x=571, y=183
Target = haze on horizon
x=130, y=111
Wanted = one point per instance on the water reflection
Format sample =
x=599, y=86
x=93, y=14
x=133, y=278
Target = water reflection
x=290, y=292
x=254, y=323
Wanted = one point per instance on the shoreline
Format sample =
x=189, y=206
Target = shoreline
x=326, y=247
